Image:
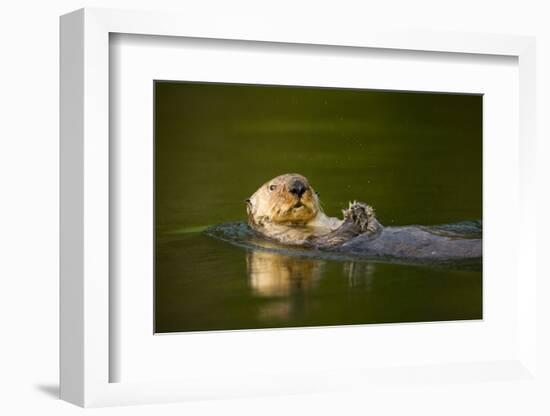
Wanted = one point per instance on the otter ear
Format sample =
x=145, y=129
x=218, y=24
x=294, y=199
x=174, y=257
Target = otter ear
x=248, y=203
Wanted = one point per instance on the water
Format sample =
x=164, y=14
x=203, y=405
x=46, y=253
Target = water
x=417, y=158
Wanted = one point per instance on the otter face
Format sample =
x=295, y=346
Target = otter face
x=287, y=200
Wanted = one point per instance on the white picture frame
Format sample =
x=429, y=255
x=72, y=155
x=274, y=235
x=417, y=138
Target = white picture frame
x=85, y=220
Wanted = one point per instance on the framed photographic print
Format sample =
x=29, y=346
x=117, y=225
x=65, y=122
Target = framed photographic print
x=266, y=213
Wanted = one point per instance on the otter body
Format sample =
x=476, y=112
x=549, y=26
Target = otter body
x=413, y=242
x=287, y=209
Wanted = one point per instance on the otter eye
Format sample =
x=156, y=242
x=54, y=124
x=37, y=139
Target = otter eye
x=272, y=187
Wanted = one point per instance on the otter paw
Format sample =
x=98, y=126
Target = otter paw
x=359, y=214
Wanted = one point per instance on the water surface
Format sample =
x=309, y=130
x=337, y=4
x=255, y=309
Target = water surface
x=415, y=157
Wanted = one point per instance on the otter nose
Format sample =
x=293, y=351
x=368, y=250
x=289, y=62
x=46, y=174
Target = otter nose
x=298, y=188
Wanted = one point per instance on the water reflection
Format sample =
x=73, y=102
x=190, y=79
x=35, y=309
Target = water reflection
x=283, y=279
x=360, y=274
x=275, y=275
x=287, y=283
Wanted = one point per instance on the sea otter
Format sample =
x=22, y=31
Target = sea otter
x=287, y=209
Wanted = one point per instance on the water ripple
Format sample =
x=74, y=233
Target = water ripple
x=241, y=235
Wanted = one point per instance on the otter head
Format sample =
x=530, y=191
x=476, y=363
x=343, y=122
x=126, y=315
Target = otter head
x=286, y=200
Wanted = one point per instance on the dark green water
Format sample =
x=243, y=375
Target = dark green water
x=415, y=157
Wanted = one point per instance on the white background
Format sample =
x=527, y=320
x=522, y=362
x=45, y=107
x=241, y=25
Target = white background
x=29, y=208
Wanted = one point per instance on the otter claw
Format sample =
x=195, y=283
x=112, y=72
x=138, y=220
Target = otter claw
x=359, y=214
